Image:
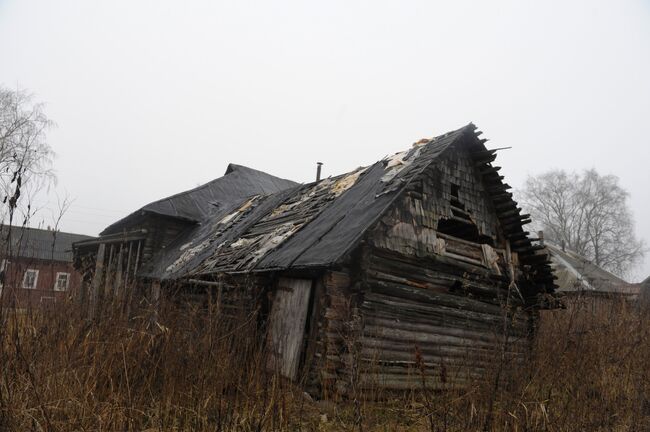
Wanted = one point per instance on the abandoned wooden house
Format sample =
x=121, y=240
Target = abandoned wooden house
x=419, y=260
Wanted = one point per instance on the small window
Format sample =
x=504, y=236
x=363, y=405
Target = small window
x=62, y=281
x=454, y=190
x=30, y=279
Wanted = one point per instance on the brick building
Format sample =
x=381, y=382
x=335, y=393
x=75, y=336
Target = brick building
x=36, y=266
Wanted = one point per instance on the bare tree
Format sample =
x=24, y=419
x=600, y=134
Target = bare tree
x=587, y=213
x=25, y=156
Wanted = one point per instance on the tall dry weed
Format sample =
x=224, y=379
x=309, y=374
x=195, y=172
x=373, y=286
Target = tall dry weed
x=196, y=367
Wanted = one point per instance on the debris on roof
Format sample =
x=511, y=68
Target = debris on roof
x=311, y=225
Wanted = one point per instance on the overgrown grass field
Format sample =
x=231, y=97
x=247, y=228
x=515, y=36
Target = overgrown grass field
x=186, y=368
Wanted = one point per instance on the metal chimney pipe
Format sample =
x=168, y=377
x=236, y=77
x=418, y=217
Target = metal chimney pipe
x=318, y=167
x=540, y=235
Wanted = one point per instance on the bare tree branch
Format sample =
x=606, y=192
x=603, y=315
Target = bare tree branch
x=588, y=213
x=25, y=156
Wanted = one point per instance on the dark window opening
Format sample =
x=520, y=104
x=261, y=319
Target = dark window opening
x=454, y=190
x=461, y=225
x=463, y=230
x=457, y=207
x=455, y=201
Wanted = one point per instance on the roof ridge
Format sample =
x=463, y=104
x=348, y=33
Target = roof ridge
x=187, y=206
x=235, y=169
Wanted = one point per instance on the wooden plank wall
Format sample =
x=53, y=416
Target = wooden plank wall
x=429, y=198
x=287, y=325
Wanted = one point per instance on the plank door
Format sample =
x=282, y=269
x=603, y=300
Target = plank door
x=287, y=325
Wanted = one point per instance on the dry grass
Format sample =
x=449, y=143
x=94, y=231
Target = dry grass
x=197, y=371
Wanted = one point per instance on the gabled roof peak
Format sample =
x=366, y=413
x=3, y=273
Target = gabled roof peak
x=232, y=167
x=196, y=204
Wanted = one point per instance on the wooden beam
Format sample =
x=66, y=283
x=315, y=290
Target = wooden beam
x=128, y=266
x=97, y=280
x=109, y=271
x=119, y=271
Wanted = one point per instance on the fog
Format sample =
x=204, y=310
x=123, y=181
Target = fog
x=154, y=97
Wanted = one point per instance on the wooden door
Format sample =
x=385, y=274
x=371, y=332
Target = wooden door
x=287, y=325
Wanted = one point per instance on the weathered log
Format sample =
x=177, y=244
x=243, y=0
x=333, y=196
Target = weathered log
x=398, y=335
x=449, y=313
x=428, y=328
x=406, y=293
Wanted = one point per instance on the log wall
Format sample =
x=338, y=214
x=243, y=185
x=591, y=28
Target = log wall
x=437, y=309
x=422, y=317
x=333, y=308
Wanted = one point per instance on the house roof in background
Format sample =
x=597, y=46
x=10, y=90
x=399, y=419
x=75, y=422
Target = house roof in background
x=34, y=243
x=646, y=282
x=197, y=204
x=577, y=273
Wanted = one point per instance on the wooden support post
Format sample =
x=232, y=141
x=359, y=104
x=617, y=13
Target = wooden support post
x=108, y=271
x=81, y=296
x=137, y=260
x=118, y=271
x=128, y=266
x=97, y=280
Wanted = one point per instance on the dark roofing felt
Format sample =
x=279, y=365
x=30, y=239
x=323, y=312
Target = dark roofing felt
x=577, y=273
x=309, y=225
x=197, y=204
x=38, y=244
x=312, y=225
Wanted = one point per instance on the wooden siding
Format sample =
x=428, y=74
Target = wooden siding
x=287, y=325
x=430, y=197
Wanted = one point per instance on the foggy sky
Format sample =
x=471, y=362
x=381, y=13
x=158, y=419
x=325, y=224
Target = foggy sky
x=154, y=97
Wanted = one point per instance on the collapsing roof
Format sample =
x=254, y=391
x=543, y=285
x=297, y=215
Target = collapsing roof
x=576, y=273
x=318, y=224
x=33, y=243
x=195, y=205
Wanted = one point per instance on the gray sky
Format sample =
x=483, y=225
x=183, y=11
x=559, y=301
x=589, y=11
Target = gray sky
x=154, y=97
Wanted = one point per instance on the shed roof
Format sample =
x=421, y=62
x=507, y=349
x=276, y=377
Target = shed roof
x=316, y=224
x=34, y=243
x=197, y=204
